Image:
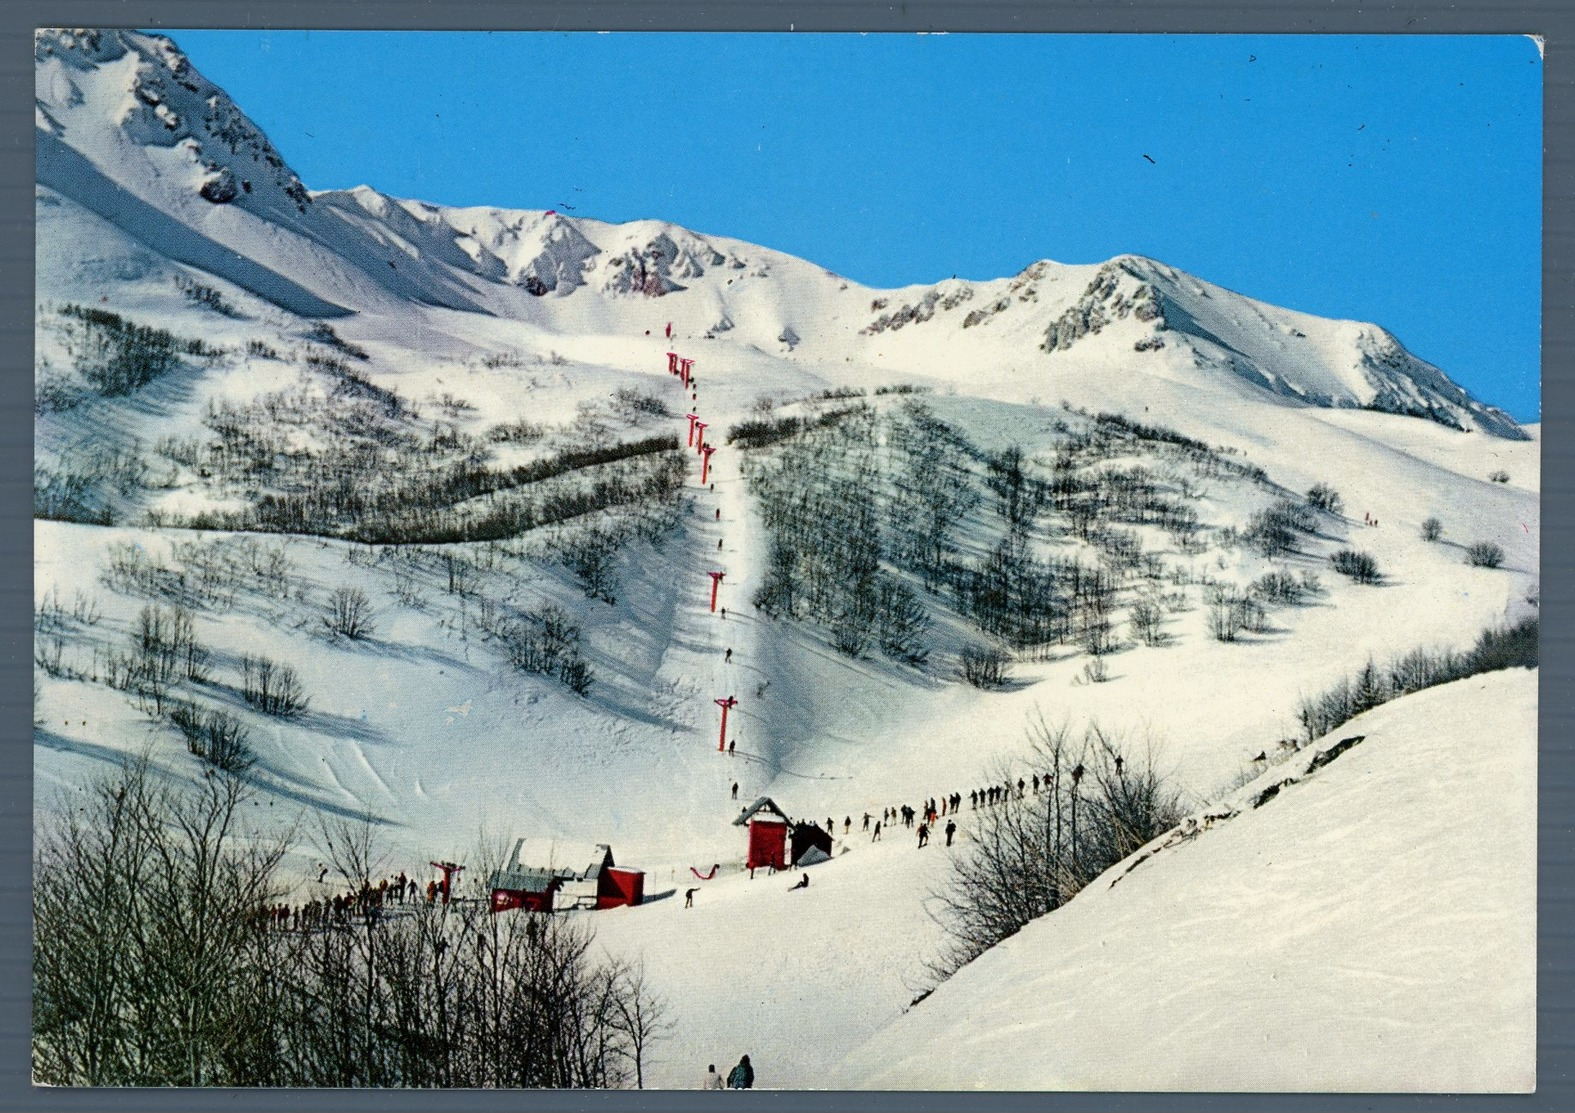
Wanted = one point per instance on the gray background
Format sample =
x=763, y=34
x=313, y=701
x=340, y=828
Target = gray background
x=1555, y=21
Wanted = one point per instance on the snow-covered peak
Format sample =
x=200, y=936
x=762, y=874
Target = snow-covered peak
x=111, y=92
x=130, y=130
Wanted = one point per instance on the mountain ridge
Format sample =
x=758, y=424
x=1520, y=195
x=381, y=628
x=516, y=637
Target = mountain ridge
x=122, y=100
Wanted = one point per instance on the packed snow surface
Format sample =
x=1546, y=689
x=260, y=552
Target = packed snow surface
x=1372, y=927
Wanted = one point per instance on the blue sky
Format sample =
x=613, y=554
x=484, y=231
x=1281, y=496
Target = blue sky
x=1394, y=179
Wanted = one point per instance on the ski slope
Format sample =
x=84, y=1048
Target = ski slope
x=1370, y=928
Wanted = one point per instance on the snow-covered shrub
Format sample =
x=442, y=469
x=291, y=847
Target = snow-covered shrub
x=163, y=652
x=116, y=356
x=983, y=667
x=591, y=554
x=1279, y=587
x=271, y=687
x=1223, y=626
x=1323, y=497
x=1361, y=567
x=1147, y=619
x=1432, y=529
x=49, y=654
x=323, y=333
x=639, y=402
x=70, y=496
x=206, y=296
x=547, y=642
x=1273, y=532
x=54, y=392
x=1500, y=476
x=1484, y=554
x=516, y=432
x=214, y=735
x=348, y=613
x=900, y=621
x=1513, y=646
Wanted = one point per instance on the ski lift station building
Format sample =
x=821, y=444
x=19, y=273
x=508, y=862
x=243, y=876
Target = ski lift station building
x=775, y=840
x=768, y=831
x=564, y=877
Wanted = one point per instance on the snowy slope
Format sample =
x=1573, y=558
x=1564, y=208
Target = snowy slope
x=1369, y=928
x=481, y=319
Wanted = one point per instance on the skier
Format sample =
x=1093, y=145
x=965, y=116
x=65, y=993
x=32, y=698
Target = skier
x=742, y=1077
x=670, y=336
x=847, y=825
x=924, y=834
x=951, y=829
x=728, y=658
x=732, y=747
x=735, y=790
x=866, y=821
x=689, y=901
x=803, y=883
x=876, y=836
x=713, y=1081
x=719, y=513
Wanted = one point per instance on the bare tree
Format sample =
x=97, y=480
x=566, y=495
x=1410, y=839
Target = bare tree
x=155, y=986
x=349, y=613
x=1028, y=855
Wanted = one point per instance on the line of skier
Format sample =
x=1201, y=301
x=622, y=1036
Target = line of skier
x=924, y=819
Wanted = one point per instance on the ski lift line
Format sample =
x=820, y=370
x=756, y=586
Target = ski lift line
x=783, y=771
x=739, y=712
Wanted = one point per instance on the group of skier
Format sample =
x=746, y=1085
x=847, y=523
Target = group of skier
x=367, y=903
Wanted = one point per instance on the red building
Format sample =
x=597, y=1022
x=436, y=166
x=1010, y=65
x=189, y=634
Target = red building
x=591, y=880
x=768, y=834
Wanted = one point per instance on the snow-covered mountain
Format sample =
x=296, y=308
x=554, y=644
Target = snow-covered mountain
x=127, y=125
x=254, y=399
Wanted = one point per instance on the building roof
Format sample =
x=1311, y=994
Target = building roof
x=764, y=804
x=523, y=880
x=560, y=861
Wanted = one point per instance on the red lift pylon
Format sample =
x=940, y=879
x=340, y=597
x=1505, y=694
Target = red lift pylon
x=705, y=463
x=724, y=704
x=672, y=363
x=716, y=580
x=448, y=869
x=692, y=419
x=699, y=443
x=685, y=367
